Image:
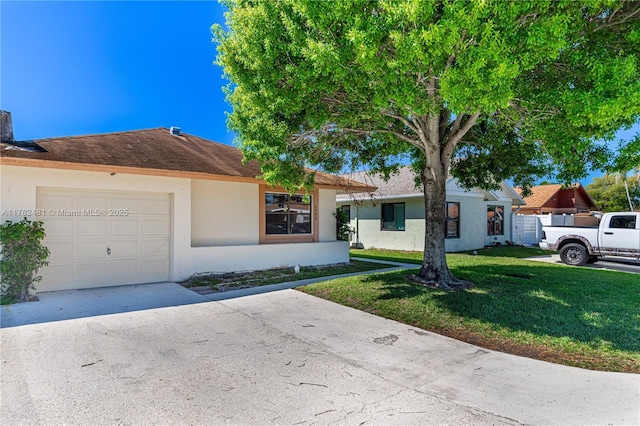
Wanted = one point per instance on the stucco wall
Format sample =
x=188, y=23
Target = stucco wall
x=18, y=187
x=506, y=236
x=264, y=256
x=366, y=218
x=224, y=213
x=326, y=210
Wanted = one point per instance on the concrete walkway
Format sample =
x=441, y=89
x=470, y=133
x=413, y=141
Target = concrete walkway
x=276, y=358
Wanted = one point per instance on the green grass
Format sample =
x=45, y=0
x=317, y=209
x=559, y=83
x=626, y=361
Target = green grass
x=416, y=256
x=575, y=316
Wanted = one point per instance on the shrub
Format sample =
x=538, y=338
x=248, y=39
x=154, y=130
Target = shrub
x=342, y=225
x=22, y=255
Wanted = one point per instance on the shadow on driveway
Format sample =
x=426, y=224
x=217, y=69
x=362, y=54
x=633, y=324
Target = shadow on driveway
x=71, y=304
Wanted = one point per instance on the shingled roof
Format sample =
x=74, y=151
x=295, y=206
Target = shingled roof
x=539, y=194
x=542, y=195
x=555, y=198
x=401, y=183
x=152, y=151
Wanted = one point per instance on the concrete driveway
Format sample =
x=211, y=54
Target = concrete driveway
x=274, y=358
x=609, y=263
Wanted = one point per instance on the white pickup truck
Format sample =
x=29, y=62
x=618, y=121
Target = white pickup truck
x=617, y=235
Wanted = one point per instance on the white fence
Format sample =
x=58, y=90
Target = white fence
x=527, y=229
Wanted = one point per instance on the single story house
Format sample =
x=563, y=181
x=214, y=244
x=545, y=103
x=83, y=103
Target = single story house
x=556, y=199
x=160, y=205
x=393, y=217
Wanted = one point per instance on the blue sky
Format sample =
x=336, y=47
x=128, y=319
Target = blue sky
x=82, y=67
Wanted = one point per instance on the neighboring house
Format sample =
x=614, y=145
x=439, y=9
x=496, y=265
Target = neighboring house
x=160, y=205
x=393, y=217
x=554, y=199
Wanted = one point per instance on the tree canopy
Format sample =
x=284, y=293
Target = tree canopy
x=483, y=90
x=610, y=193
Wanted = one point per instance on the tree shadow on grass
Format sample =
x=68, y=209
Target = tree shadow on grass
x=533, y=299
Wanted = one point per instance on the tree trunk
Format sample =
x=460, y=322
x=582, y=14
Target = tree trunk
x=434, y=271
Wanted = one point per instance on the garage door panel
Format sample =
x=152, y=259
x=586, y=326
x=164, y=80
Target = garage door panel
x=155, y=227
x=125, y=249
x=92, y=274
x=130, y=205
x=93, y=203
x=56, y=277
x=91, y=250
x=137, y=236
x=58, y=201
x=124, y=227
x=154, y=271
x=60, y=250
x=58, y=226
x=154, y=247
x=127, y=272
x=155, y=206
x=93, y=226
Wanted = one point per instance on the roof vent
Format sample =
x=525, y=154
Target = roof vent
x=6, y=128
x=175, y=131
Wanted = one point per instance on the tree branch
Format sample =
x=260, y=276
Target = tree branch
x=450, y=61
x=456, y=124
x=396, y=134
x=634, y=12
x=404, y=120
x=450, y=145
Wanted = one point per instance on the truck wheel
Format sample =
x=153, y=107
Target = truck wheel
x=574, y=254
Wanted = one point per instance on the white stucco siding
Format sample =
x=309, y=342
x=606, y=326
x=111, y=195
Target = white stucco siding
x=224, y=213
x=239, y=234
x=19, y=186
x=506, y=236
x=366, y=218
x=326, y=210
x=472, y=224
x=264, y=256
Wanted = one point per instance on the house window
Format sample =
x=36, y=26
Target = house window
x=495, y=220
x=287, y=214
x=452, y=220
x=393, y=216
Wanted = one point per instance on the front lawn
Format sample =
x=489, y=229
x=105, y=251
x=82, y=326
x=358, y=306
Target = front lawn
x=575, y=316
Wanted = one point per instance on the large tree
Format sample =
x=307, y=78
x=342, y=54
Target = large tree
x=612, y=195
x=483, y=90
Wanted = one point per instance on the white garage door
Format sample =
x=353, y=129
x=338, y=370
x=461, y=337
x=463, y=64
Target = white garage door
x=102, y=239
